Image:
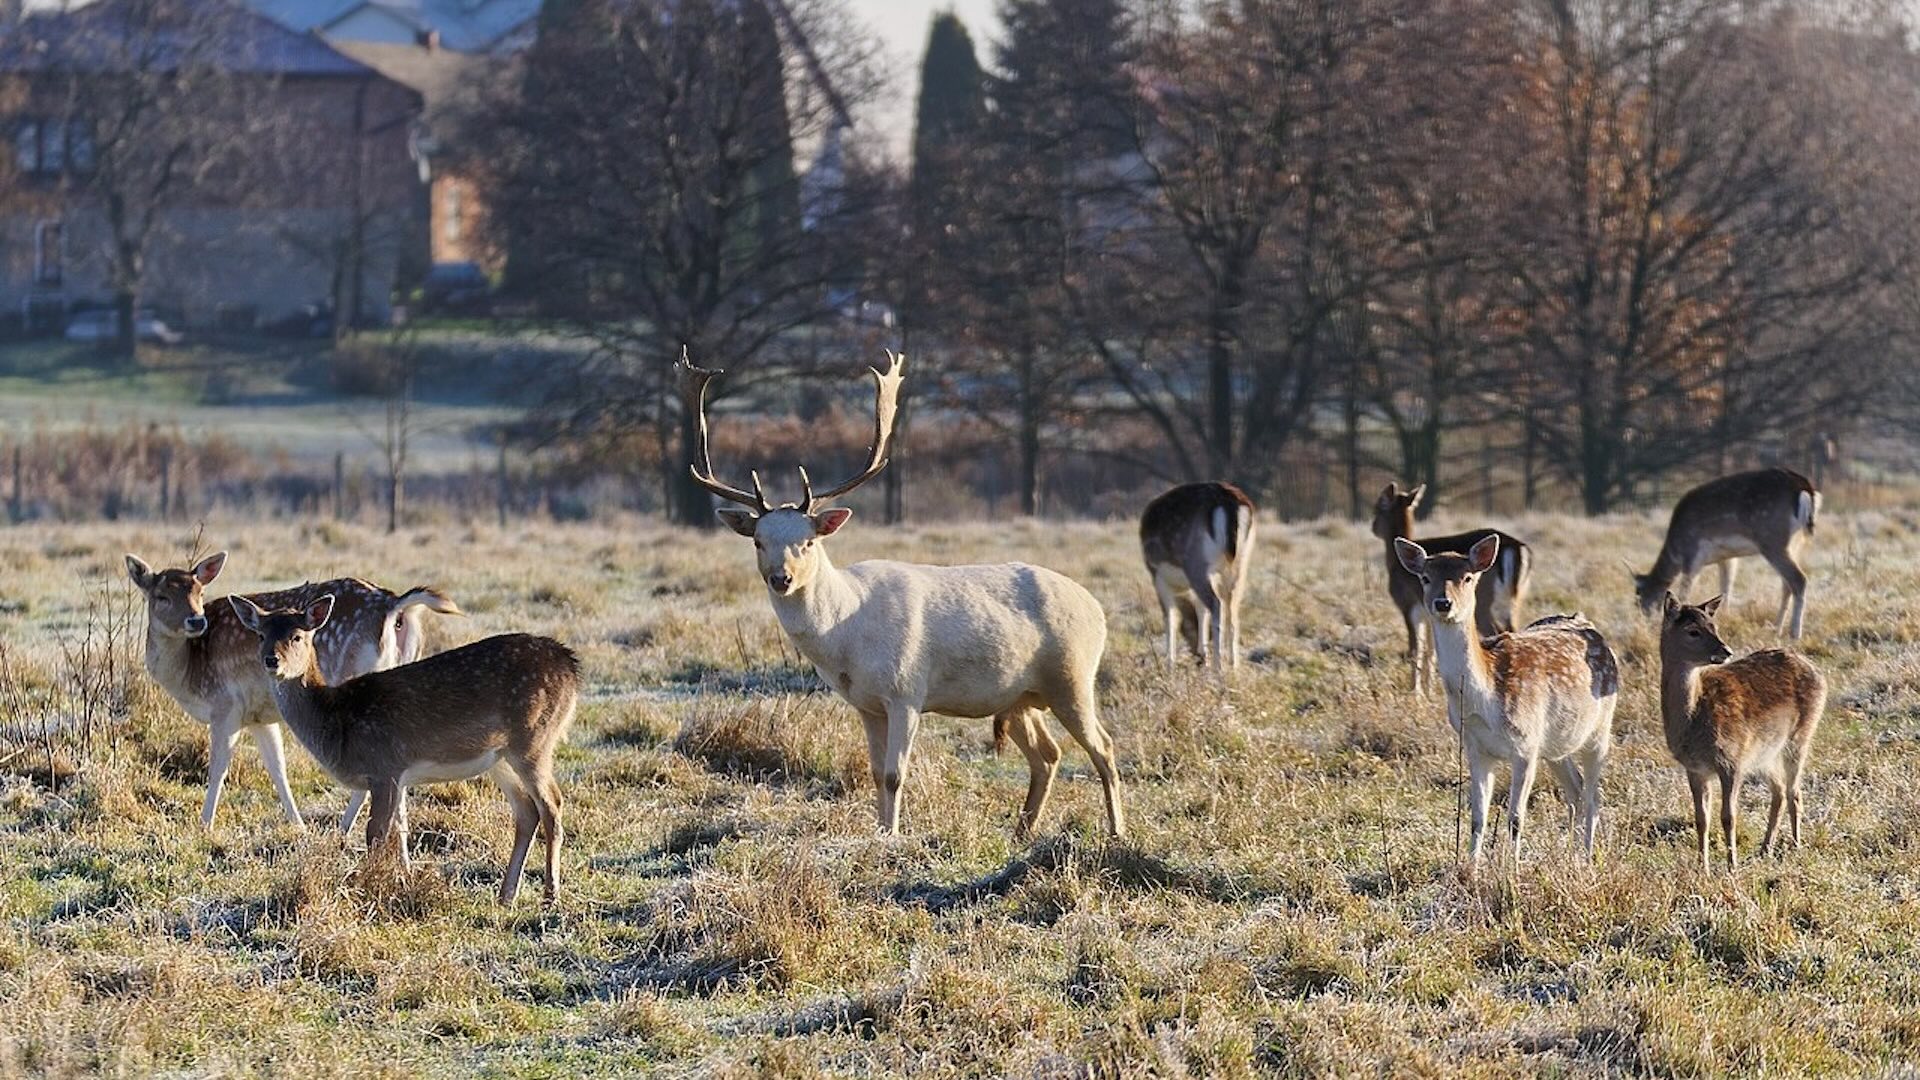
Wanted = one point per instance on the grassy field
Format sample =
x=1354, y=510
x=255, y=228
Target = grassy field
x=1290, y=900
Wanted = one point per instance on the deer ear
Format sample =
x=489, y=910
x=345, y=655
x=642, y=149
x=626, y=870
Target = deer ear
x=1389, y=493
x=1672, y=607
x=1712, y=607
x=319, y=612
x=740, y=521
x=828, y=522
x=1412, y=556
x=246, y=611
x=139, y=572
x=1414, y=496
x=209, y=568
x=1482, y=554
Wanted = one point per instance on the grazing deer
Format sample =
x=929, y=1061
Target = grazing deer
x=204, y=659
x=1728, y=719
x=496, y=708
x=1545, y=693
x=1197, y=540
x=897, y=640
x=1767, y=512
x=1496, y=608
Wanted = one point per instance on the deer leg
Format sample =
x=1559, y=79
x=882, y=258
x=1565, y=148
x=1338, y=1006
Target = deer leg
x=1729, y=811
x=1519, y=789
x=1080, y=715
x=273, y=754
x=1566, y=775
x=1794, y=763
x=1170, y=615
x=1029, y=733
x=1697, y=782
x=1213, y=614
x=547, y=794
x=526, y=819
x=385, y=808
x=1727, y=569
x=222, y=733
x=1233, y=620
x=400, y=829
x=355, y=800
x=1776, y=799
x=875, y=724
x=1794, y=580
x=903, y=723
x=1596, y=763
x=1479, y=799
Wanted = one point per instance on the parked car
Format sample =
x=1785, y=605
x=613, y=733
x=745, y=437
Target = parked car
x=103, y=324
x=456, y=287
x=313, y=319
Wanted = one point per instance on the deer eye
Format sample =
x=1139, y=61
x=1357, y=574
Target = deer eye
x=1693, y=633
x=1424, y=580
x=758, y=546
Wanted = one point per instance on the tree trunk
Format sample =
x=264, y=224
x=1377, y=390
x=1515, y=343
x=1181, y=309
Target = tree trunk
x=1030, y=419
x=396, y=495
x=125, y=303
x=690, y=502
x=1220, y=387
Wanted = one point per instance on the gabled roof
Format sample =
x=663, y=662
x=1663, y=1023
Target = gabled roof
x=463, y=25
x=159, y=35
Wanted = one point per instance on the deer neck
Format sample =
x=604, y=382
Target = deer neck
x=303, y=703
x=1679, y=698
x=812, y=613
x=178, y=663
x=1462, y=660
x=1402, y=529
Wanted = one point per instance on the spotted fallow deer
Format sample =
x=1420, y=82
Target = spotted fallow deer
x=205, y=660
x=1496, y=607
x=1767, y=512
x=1728, y=719
x=496, y=708
x=1545, y=693
x=897, y=640
x=1197, y=540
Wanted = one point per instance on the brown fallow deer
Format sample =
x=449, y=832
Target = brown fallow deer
x=1543, y=694
x=496, y=708
x=898, y=640
x=1728, y=719
x=1496, y=608
x=1197, y=540
x=205, y=660
x=1767, y=512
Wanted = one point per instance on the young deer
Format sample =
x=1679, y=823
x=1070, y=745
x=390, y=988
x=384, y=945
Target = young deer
x=496, y=708
x=1496, y=607
x=204, y=659
x=1729, y=720
x=1197, y=540
x=1545, y=693
x=897, y=640
x=1768, y=512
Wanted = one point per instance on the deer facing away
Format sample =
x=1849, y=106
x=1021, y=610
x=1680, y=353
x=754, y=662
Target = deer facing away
x=1497, y=605
x=897, y=640
x=1197, y=540
x=1767, y=512
x=1728, y=719
x=496, y=708
x=206, y=661
x=1543, y=694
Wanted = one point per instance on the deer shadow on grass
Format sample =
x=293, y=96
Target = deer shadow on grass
x=1117, y=864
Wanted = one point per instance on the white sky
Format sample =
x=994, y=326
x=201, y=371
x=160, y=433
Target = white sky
x=902, y=28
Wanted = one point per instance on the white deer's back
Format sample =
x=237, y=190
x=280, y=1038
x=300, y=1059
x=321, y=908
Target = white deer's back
x=961, y=640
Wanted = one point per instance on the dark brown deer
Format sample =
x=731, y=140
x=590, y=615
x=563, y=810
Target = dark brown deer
x=1197, y=540
x=496, y=708
x=1502, y=590
x=204, y=659
x=1729, y=719
x=1767, y=512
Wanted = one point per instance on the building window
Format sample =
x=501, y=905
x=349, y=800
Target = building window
x=43, y=147
x=49, y=253
x=454, y=226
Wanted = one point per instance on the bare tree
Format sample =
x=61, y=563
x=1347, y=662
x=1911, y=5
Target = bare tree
x=648, y=170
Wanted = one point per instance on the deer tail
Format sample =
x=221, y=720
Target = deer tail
x=429, y=597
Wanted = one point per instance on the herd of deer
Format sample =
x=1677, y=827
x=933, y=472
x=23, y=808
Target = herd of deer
x=339, y=662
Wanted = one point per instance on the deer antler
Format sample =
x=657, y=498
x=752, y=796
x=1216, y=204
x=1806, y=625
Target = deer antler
x=886, y=397
x=693, y=384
